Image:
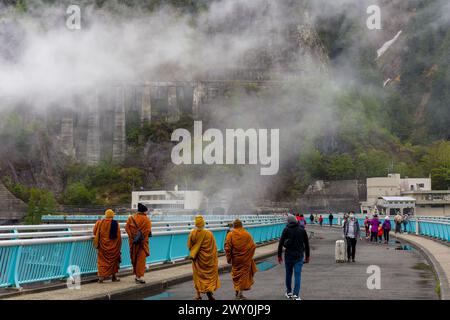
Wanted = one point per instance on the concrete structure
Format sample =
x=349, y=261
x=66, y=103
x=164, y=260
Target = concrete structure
x=166, y=200
x=119, y=134
x=391, y=186
x=12, y=209
x=401, y=278
x=337, y=196
x=392, y=205
x=431, y=203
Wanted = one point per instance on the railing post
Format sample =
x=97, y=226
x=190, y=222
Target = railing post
x=417, y=227
x=169, y=254
x=15, y=268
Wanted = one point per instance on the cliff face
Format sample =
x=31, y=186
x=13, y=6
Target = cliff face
x=93, y=127
x=415, y=64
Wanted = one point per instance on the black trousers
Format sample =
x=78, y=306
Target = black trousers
x=386, y=235
x=351, y=248
x=374, y=236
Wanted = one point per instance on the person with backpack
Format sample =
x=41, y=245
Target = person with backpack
x=351, y=233
x=302, y=221
x=138, y=228
x=374, y=223
x=330, y=218
x=386, y=229
x=320, y=220
x=405, y=222
x=295, y=242
x=398, y=223
x=108, y=242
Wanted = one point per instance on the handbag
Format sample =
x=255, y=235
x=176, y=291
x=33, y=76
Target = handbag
x=97, y=237
x=139, y=236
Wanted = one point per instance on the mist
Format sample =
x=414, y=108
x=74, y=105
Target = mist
x=43, y=63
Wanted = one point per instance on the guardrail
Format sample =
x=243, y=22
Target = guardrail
x=159, y=218
x=42, y=258
x=434, y=227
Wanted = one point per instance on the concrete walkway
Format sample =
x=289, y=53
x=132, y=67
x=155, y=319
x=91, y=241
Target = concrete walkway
x=157, y=280
x=405, y=275
x=439, y=256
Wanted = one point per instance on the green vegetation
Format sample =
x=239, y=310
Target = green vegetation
x=100, y=185
x=41, y=202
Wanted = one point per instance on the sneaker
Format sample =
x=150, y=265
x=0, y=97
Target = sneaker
x=294, y=297
x=288, y=295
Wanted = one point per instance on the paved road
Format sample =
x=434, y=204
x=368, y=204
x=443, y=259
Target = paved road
x=405, y=274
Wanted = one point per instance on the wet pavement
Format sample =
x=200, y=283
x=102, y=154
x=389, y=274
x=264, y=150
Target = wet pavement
x=405, y=274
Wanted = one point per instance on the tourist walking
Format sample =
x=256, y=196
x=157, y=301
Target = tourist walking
x=386, y=228
x=320, y=220
x=398, y=223
x=330, y=219
x=205, y=264
x=108, y=242
x=311, y=218
x=301, y=221
x=351, y=233
x=380, y=233
x=138, y=228
x=405, y=222
x=294, y=240
x=374, y=224
x=367, y=227
x=240, y=249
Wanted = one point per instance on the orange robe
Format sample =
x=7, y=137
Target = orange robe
x=240, y=249
x=205, y=263
x=108, y=256
x=138, y=252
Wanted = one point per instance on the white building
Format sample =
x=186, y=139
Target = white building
x=431, y=203
x=391, y=186
x=392, y=205
x=167, y=200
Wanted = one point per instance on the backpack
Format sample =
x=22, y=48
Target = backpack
x=387, y=225
x=302, y=223
x=139, y=236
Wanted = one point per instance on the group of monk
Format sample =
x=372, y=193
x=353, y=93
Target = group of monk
x=239, y=249
x=109, y=244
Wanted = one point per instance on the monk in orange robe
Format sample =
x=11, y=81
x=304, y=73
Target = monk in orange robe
x=205, y=263
x=240, y=249
x=109, y=245
x=139, y=228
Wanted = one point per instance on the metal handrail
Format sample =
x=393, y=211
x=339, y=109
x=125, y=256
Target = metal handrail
x=91, y=225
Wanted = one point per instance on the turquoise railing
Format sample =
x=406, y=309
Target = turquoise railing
x=24, y=261
x=434, y=227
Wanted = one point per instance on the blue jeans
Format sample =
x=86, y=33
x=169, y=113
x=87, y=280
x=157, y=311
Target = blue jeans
x=296, y=268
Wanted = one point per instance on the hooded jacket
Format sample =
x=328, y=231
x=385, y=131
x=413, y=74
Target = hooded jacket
x=295, y=241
